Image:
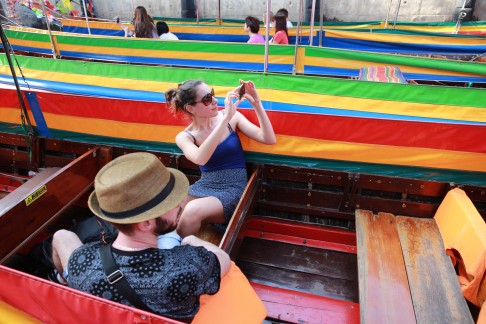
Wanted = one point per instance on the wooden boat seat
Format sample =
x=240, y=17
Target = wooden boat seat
x=404, y=274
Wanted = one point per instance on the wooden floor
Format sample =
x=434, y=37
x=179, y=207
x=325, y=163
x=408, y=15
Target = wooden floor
x=316, y=271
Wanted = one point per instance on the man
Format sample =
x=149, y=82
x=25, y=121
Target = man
x=142, y=199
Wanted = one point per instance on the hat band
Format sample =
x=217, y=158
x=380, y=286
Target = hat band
x=145, y=207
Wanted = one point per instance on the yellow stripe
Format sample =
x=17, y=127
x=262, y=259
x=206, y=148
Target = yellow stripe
x=370, y=153
x=117, y=129
x=406, y=39
x=356, y=64
x=286, y=145
x=30, y=43
x=298, y=98
x=12, y=116
x=189, y=55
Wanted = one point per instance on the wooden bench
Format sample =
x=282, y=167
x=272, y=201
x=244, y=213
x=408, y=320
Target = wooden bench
x=404, y=274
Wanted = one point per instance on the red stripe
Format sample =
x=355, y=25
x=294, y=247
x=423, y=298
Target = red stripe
x=433, y=135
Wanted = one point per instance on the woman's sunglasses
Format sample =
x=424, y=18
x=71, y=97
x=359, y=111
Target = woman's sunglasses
x=207, y=99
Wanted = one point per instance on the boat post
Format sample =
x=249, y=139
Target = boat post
x=267, y=37
x=388, y=15
x=86, y=16
x=301, y=6
x=219, y=13
x=313, y=8
x=53, y=44
x=197, y=11
x=321, y=19
x=460, y=17
x=396, y=13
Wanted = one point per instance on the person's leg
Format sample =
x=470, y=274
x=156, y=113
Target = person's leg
x=63, y=245
x=196, y=211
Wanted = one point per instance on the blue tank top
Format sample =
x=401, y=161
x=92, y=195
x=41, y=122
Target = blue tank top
x=227, y=155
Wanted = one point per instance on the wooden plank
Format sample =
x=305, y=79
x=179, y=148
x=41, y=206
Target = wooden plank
x=436, y=293
x=305, y=175
x=384, y=294
x=318, y=285
x=297, y=307
x=287, y=209
x=19, y=221
x=304, y=259
x=397, y=206
x=304, y=197
x=231, y=240
x=284, y=227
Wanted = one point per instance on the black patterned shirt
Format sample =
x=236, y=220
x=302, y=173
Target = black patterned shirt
x=169, y=282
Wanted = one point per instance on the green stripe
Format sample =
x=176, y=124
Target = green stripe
x=436, y=95
x=182, y=46
x=13, y=34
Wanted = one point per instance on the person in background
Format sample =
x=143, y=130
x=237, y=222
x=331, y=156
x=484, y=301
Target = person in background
x=211, y=141
x=252, y=26
x=143, y=199
x=163, y=31
x=281, y=35
x=272, y=21
x=286, y=14
x=143, y=25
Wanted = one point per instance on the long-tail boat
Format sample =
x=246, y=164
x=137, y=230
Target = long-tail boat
x=336, y=223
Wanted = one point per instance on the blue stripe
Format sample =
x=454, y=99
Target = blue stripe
x=31, y=49
x=135, y=95
x=94, y=31
x=37, y=113
x=244, y=66
x=370, y=46
x=323, y=70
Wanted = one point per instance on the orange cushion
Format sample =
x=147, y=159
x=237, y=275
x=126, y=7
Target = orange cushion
x=235, y=302
x=10, y=314
x=463, y=229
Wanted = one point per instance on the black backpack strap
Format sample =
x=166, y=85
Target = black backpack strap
x=118, y=280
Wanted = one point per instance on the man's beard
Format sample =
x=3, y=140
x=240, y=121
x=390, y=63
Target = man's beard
x=162, y=227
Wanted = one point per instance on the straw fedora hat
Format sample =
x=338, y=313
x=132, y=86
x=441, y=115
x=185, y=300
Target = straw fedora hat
x=136, y=187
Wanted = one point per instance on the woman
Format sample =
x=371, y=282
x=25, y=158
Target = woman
x=281, y=35
x=252, y=26
x=211, y=142
x=143, y=25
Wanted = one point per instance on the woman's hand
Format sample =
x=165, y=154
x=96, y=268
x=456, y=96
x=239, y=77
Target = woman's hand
x=251, y=93
x=230, y=105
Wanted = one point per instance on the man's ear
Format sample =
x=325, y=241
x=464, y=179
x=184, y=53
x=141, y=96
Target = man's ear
x=145, y=226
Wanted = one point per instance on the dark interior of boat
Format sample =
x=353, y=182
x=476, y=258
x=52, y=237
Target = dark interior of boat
x=293, y=233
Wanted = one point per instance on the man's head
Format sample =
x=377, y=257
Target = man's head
x=253, y=24
x=284, y=12
x=137, y=187
x=162, y=27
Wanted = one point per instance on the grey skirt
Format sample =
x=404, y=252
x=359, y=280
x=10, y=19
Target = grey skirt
x=226, y=185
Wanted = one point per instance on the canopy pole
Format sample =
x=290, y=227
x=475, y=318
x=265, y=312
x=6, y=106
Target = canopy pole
x=54, y=51
x=133, y=7
x=460, y=17
x=197, y=11
x=388, y=14
x=321, y=19
x=311, y=38
x=297, y=37
x=396, y=13
x=85, y=16
x=267, y=37
x=23, y=108
x=219, y=12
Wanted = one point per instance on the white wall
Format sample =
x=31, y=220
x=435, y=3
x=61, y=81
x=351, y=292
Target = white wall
x=341, y=10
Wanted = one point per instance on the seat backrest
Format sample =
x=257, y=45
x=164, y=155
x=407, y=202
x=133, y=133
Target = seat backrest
x=463, y=229
x=382, y=74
